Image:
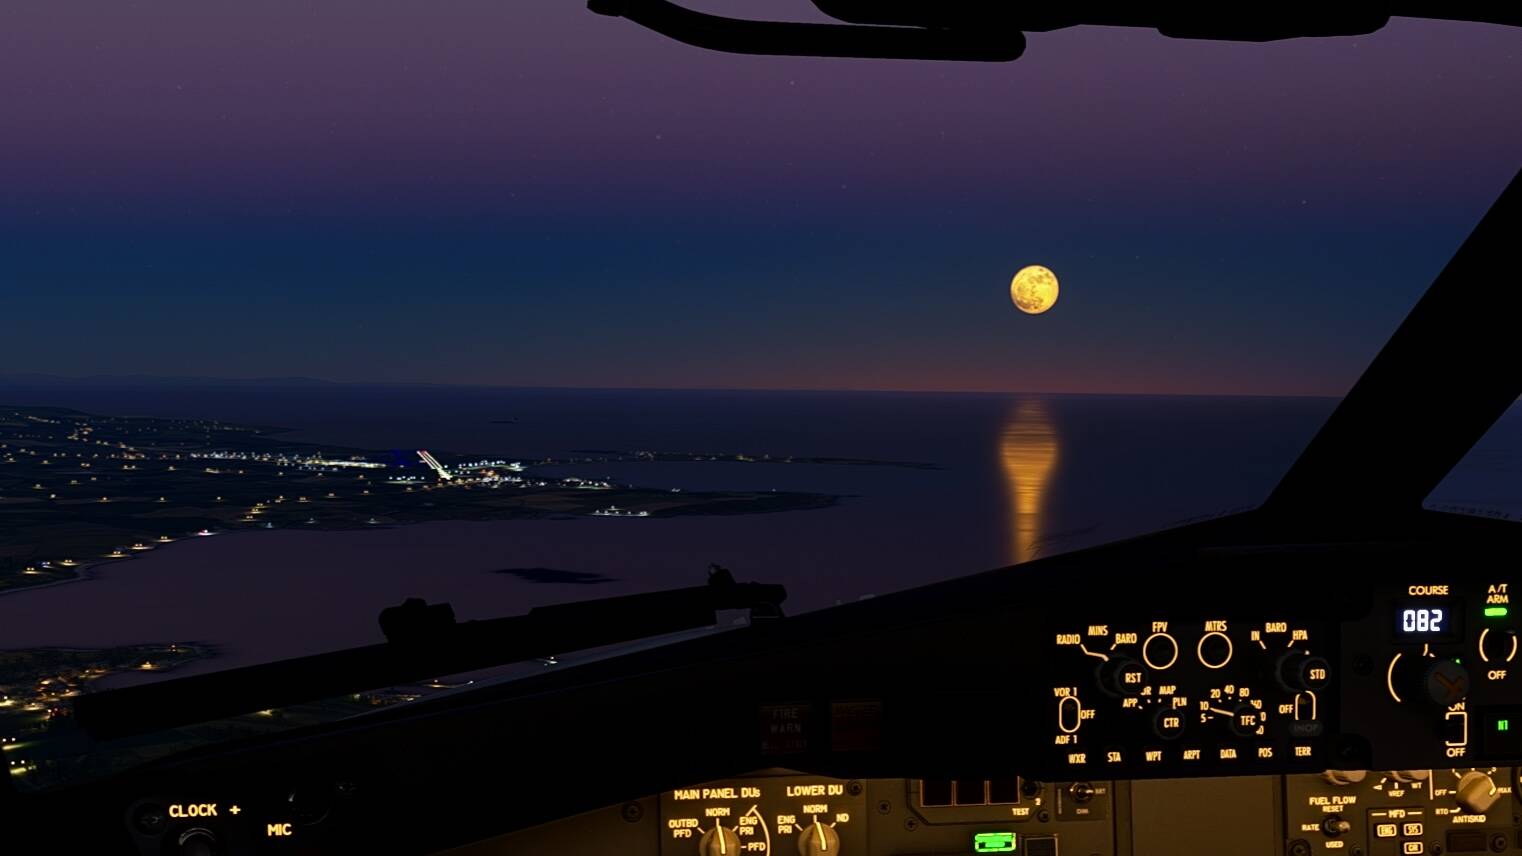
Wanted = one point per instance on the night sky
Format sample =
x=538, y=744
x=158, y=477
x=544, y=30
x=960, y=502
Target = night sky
x=523, y=193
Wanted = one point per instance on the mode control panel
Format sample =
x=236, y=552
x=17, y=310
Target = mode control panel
x=1216, y=694
x=1431, y=676
x=1399, y=673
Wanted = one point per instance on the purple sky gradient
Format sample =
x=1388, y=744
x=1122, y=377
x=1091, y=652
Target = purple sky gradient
x=178, y=151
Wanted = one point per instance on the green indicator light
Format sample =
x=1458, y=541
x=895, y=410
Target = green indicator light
x=1495, y=612
x=995, y=842
x=1503, y=725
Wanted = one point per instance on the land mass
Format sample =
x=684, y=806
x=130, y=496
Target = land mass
x=605, y=455
x=37, y=687
x=80, y=489
x=40, y=748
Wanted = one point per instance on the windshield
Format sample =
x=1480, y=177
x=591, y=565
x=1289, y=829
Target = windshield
x=319, y=308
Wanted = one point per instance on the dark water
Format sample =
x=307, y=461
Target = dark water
x=1015, y=477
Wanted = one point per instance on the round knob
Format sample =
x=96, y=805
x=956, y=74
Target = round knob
x=1342, y=778
x=1409, y=776
x=150, y=819
x=198, y=842
x=719, y=841
x=1477, y=792
x=1030, y=787
x=1304, y=671
x=1122, y=676
x=309, y=805
x=1245, y=720
x=1335, y=826
x=818, y=839
x=1168, y=724
x=1445, y=682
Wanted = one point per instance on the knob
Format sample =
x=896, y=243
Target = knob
x=1477, y=792
x=719, y=841
x=1081, y=792
x=150, y=819
x=1342, y=778
x=198, y=842
x=818, y=839
x=1030, y=787
x=1245, y=720
x=1335, y=826
x=1409, y=776
x=1122, y=676
x=1168, y=724
x=1441, y=681
x=1304, y=672
x=309, y=804
x=1445, y=682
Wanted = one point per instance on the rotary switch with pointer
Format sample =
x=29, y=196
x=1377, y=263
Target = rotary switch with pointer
x=818, y=839
x=720, y=841
x=1476, y=792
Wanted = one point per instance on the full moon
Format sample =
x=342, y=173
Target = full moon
x=1034, y=289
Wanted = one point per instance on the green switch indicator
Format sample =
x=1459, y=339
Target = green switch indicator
x=995, y=842
x=1503, y=725
x=1495, y=612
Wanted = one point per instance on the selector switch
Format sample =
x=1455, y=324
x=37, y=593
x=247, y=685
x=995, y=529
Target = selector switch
x=1245, y=720
x=1343, y=778
x=1335, y=826
x=817, y=839
x=1476, y=792
x=719, y=841
x=1122, y=676
x=1168, y=724
x=1301, y=671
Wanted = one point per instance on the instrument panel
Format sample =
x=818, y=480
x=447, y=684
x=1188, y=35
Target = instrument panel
x=1359, y=713
x=794, y=815
x=1421, y=674
x=1215, y=693
x=1333, y=813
